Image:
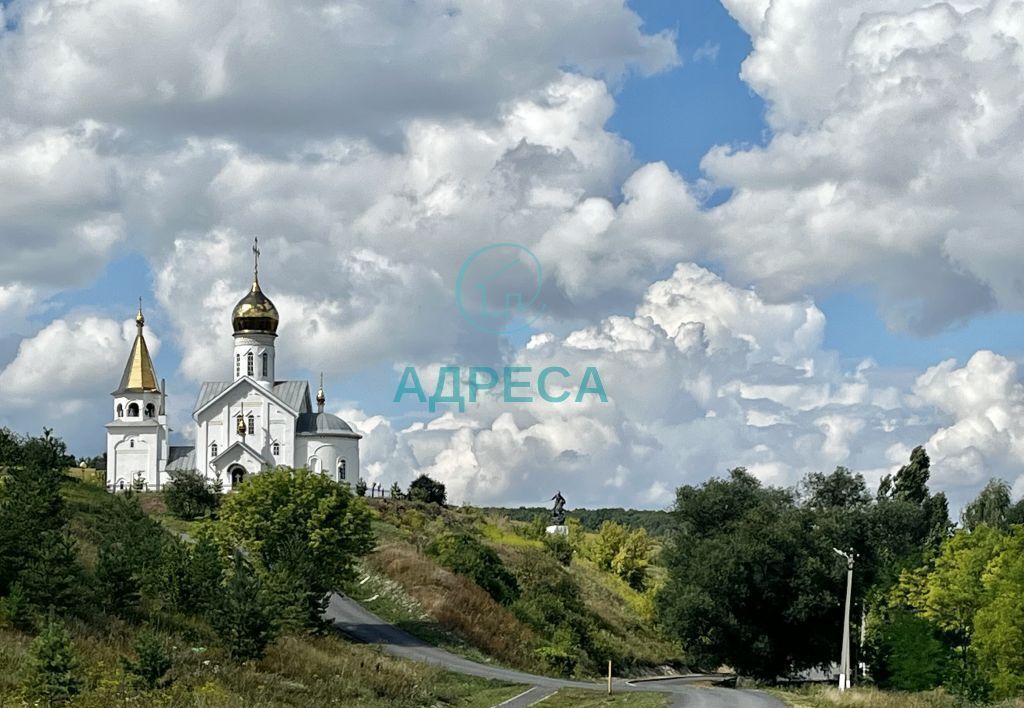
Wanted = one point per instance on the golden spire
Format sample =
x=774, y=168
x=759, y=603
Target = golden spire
x=321, y=399
x=139, y=373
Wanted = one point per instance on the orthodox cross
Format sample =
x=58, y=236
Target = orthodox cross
x=256, y=256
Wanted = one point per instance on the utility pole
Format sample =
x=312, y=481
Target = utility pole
x=844, y=662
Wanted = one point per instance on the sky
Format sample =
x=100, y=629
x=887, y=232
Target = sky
x=785, y=233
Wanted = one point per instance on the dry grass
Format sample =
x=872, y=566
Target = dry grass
x=822, y=697
x=458, y=605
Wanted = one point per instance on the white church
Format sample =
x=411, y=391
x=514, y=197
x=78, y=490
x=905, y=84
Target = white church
x=242, y=426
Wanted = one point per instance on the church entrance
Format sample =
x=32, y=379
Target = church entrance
x=237, y=475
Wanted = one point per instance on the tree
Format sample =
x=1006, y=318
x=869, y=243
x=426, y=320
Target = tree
x=52, y=672
x=605, y=546
x=117, y=584
x=999, y=624
x=361, y=487
x=152, y=660
x=558, y=547
x=631, y=561
x=425, y=489
x=911, y=481
x=906, y=651
x=752, y=583
x=243, y=616
x=301, y=529
x=396, y=491
x=990, y=507
x=191, y=496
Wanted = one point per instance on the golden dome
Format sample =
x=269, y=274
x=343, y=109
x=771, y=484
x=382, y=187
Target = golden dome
x=255, y=312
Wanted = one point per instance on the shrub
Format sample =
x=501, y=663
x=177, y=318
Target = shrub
x=117, y=585
x=464, y=554
x=558, y=547
x=396, y=491
x=152, y=660
x=52, y=673
x=191, y=496
x=16, y=610
x=428, y=490
x=361, y=487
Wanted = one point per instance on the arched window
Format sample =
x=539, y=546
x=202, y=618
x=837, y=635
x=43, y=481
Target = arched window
x=133, y=410
x=120, y=411
x=252, y=424
x=131, y=443
x=264, y=357
x=238, y=365
x=341, y=470
x=150, y=410
x=248, y=363
x=276, y=449
x=213, y=449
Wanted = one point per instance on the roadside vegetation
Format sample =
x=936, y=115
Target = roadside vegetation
x=754, y=583
x=100, y=604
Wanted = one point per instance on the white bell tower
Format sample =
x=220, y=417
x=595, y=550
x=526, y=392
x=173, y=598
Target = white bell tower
x=255, y=321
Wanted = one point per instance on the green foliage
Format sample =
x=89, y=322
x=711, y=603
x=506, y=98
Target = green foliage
x=361, y=487
x=604, y=547
x=739, y=549
x=303, y=531
x=191, y=496
x=191, y=574
x=16, y=610
x=243, y=615
x=990, y=507
x=396, y=491
x=118, y=586
x=53, y=576
x=558, y=547
x=550, y=602
x=52, y=671
x=999, y=624
x=906, y=651
x=428, y=490
x=152, y=660
x=631, y=561
x=463, y=553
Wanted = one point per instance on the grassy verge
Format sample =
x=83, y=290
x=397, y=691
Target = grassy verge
x=579, y=698
x=822, y=697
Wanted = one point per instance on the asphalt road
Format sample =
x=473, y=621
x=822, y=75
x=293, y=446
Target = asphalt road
x=362, y=625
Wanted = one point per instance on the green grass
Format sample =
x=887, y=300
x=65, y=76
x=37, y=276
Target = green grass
x=579, y=698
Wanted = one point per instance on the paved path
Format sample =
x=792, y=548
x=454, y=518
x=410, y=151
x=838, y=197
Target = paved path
x=362, y=625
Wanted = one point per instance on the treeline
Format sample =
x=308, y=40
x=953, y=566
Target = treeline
x=755, y=582
x=655, y=522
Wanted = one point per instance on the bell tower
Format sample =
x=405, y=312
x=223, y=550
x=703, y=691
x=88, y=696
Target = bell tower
x=254, y=321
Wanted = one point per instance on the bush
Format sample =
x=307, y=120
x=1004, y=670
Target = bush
x=191, y=496
x=464, y=554
x=361, y=487
x=428, y=490
x=152, y=660
x=118, y=587
x=52, y=673
x=191, y=574
x=558, y=547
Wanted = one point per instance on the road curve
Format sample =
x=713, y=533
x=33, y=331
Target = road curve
x=354, y=620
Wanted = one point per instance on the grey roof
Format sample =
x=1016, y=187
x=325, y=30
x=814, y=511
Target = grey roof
x=294, y=394
x=181, y=457
x=323, y=424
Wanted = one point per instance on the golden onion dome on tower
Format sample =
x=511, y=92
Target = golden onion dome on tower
x=255, y=312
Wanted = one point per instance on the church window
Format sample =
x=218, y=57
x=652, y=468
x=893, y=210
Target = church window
x=238, y=365
x=120, y=411
x=276, y=449
x=252, y=425
x=264, y=357
x=133, y=410
x=213, y=449
x=341, y=470
x=150, y=410
x=248, y=363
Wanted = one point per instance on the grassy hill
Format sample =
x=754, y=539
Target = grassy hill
x=606, y=618
x=298, y=670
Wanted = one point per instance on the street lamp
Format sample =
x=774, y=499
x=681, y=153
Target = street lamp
x=844, y=662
